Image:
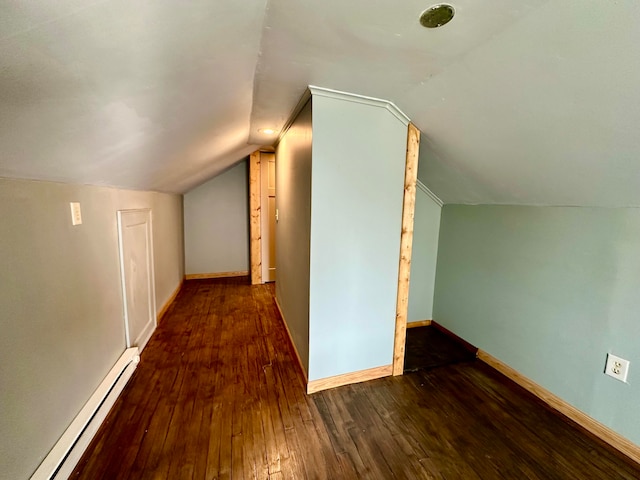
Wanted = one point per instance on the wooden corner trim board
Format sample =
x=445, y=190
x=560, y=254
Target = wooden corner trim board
x=419, y=323
x=349, y=378
x=200, y=276
x=303, y=371
x=255, y=219
x=601, y=431
x=406, y=245
x=169, y=302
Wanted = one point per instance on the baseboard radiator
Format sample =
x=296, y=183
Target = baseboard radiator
x=66, y=453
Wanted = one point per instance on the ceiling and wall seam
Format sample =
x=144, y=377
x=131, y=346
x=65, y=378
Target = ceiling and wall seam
x=257, y=68
x=432, y=195
x=526, y=102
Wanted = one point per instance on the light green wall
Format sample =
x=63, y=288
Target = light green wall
x=216, y=223
x=357, y=189
x=293, y=229
x=61, y=304
x=426, y=230
x=550, y=291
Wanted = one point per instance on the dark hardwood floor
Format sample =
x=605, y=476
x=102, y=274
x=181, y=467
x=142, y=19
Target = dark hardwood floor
x=217, y=395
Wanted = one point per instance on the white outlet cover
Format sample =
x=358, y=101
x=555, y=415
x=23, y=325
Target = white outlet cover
x=617, y=368
x=76, y=213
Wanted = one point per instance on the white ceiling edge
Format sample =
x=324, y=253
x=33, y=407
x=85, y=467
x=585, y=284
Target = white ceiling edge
x=363, y=99
x=429, y=193
x=199, y=177
x=339, y=95
x=304, y=99
x=545, y=205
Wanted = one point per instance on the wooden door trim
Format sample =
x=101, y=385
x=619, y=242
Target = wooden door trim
x=255, y=223
x=266, y=158
x=406, y=245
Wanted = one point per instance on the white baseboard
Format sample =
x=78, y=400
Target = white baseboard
x=66, y=453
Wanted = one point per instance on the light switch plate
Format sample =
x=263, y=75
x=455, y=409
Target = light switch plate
x=76, y=213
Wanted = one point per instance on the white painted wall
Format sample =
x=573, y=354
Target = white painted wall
x=358, y=168
x=426, y=229
x=61, y=304
x=216, y=223
x=293, y=230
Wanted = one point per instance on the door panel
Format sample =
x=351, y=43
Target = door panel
x=136, y=267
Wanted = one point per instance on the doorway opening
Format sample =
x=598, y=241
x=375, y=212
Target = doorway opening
x=263, y=216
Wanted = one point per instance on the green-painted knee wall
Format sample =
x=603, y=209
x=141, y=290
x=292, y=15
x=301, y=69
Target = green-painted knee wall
x=549, y=291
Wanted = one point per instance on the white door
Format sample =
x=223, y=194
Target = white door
x=268, y=206
x=136, y=268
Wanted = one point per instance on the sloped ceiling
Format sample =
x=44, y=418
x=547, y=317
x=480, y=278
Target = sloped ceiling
x=519, y=102
x=145, y=94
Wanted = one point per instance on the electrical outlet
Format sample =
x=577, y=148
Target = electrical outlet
x=76, y=214
x=617, y=368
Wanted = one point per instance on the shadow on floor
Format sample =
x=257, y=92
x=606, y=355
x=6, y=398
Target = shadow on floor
x=427, y=347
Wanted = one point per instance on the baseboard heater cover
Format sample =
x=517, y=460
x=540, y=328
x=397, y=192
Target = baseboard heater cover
x=66, y=453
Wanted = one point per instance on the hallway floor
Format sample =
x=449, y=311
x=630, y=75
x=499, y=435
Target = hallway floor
x=218, y=395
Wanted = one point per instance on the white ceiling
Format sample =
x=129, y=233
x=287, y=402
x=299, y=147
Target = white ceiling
x=519, y=101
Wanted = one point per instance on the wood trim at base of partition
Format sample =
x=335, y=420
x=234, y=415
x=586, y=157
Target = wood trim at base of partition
x=200, y=276
x=169, y=302
x=349, y=378
x=601, y=431
x=303, y=371
x=419, y=323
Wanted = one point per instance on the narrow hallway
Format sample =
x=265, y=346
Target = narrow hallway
x=218, y=395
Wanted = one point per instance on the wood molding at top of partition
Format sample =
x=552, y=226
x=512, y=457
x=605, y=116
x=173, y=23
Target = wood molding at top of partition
x=604, y=433
x=406, y=245
x=255, y=219
x=349, y=378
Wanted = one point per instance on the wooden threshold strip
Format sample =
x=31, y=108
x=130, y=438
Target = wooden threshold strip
x=200, y=276
x=349, y=378
x=601, y=431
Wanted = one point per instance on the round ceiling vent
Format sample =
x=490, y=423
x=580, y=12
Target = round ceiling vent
x=437, y=16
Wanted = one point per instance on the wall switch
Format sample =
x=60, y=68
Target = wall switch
x=617, y=368
x=76, y=214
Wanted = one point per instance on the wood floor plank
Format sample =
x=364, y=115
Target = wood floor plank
x=218, y=395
